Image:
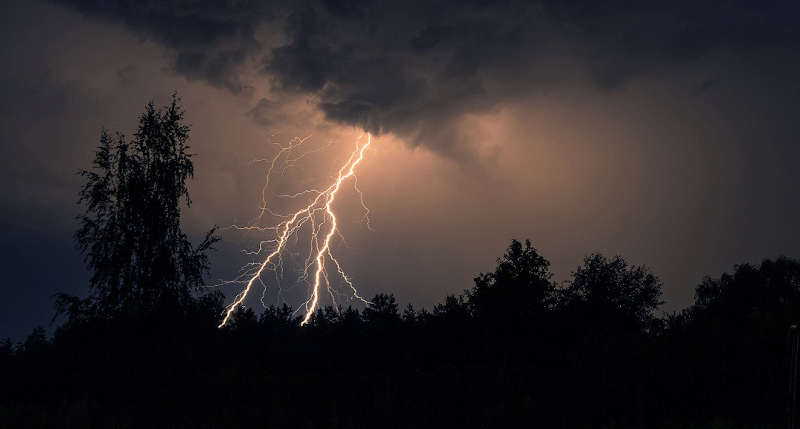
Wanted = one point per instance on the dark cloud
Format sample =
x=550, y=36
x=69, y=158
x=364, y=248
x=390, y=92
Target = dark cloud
x=413, y=67
x=212, y=39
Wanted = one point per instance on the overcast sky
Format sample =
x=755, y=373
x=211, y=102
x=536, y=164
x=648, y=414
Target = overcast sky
x=664, y=134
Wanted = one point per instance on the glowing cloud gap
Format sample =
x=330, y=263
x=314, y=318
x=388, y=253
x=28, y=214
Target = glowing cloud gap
x=319, y=250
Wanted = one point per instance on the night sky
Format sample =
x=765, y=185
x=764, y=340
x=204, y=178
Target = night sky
x=666, y=134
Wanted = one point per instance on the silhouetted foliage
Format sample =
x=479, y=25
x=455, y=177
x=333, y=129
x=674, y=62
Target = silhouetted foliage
x=35, y=342
x=130, y=233
x=611, y=289
x=591, y=354
x=383, y=311
x=520, y=286
x=409, y=314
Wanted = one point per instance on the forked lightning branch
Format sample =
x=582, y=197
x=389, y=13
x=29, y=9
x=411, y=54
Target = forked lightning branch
x=318, y=218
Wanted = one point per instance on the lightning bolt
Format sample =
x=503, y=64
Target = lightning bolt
x=319, y=215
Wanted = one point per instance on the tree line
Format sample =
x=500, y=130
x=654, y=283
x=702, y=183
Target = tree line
x=516, y=349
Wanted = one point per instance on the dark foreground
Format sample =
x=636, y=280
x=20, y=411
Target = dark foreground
x=514, y=351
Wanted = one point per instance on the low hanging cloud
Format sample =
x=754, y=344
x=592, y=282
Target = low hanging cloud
x=211, y=40
x=415, y=68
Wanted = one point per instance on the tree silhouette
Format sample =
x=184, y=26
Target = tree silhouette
x=610, y=289
x=36, y=341
x=130, y=233
x=382, y=312
x=520, y=286
x=409, y=314
x=383, y=307
x=510, y=352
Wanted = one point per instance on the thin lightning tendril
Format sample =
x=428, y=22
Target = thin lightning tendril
x=319, y=215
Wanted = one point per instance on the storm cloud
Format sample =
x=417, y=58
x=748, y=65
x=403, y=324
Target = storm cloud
x=415, y=68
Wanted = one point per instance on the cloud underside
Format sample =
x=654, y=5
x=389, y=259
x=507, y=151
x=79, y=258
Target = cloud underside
x=415, y=68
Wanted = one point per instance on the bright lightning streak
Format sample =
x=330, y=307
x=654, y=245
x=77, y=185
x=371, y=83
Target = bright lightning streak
x=319, y=249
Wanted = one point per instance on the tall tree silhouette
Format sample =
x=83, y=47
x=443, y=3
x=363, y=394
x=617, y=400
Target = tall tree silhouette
x=130, y=233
